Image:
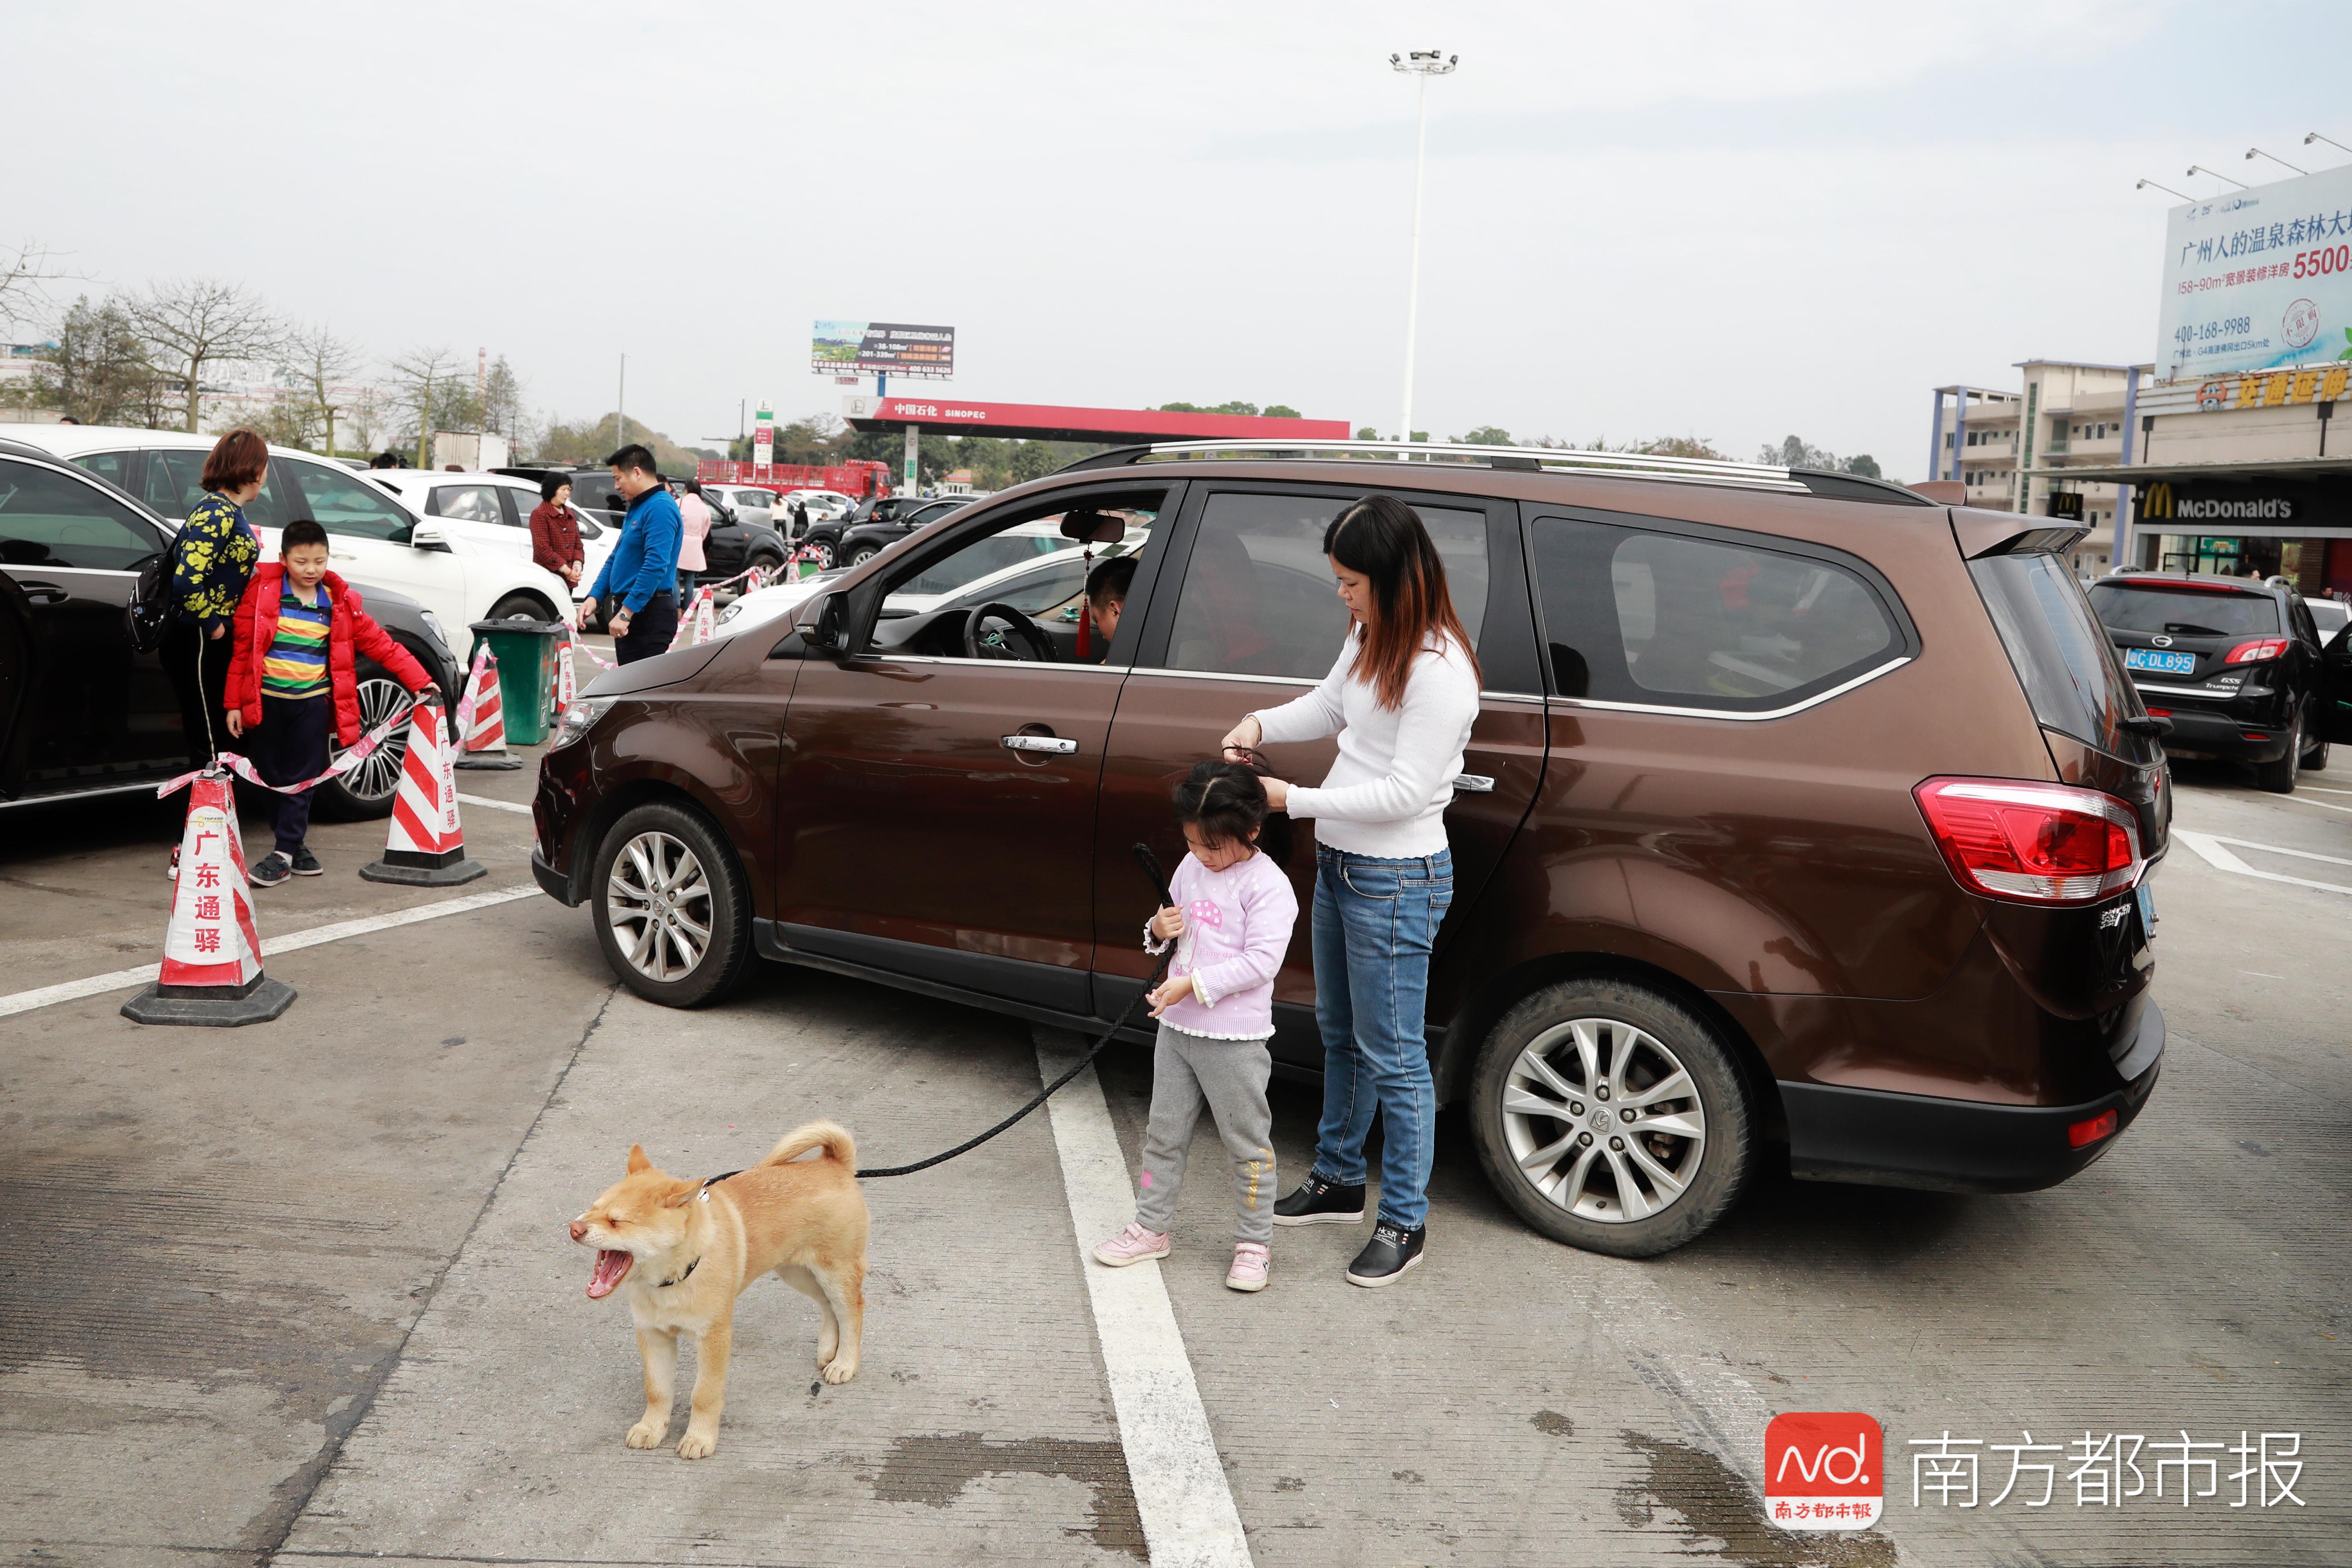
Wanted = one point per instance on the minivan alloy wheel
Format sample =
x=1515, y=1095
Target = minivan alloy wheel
x=1604, y=1119
x=1613, y=1117
x=659, y=902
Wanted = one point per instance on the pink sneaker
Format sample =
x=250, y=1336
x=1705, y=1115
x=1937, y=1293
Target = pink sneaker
x=1251, y=1261
x=1133, y=1244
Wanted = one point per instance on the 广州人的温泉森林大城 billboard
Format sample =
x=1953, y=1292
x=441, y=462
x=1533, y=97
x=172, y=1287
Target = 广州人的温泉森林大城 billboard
x=2259, y=278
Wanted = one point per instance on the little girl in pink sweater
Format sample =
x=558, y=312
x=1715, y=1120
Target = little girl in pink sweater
x=1231, y=923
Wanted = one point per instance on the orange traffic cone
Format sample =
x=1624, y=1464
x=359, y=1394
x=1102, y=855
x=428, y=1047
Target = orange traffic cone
x=425, y=847
x=211, y=973
x=486, y=736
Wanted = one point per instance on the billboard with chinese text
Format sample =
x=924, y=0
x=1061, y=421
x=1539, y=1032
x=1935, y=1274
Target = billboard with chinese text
x=2258, y=279
x=882, y=348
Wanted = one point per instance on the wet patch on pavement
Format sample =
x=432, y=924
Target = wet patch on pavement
x=1716, y=1504
x=935, y=1469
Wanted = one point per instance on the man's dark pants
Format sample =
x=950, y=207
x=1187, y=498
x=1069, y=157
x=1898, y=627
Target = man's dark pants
x=650, y=630
x=290, y=745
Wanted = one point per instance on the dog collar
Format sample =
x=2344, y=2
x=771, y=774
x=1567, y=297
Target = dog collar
x=681, y=1278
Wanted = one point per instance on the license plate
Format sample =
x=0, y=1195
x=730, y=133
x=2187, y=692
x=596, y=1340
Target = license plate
x=2161, y=663
x=2147, y=896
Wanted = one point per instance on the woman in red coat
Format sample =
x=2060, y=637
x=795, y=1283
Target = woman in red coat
x=294, y=680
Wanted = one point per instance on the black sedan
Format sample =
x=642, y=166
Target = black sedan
x=881, y=520
x=82, y=710
x=861, y=542
x=2237, y=666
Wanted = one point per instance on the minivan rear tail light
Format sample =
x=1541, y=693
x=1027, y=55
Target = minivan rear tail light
x=2159, y=712
x=2082, y=1134
x=2255, y=652
x=2031, y=843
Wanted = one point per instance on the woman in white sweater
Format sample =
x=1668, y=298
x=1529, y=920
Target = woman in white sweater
x=1402, y=699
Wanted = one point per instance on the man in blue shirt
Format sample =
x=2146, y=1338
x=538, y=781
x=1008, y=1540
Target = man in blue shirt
x=639, y=577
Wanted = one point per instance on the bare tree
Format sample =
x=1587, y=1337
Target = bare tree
x=365, y=415
x=95, y=369
x=423, y=374
x=24, y=271
x=321, y=365
x=188, y=325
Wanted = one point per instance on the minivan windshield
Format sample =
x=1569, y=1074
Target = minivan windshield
x=2184, y=611
x=2061, y=653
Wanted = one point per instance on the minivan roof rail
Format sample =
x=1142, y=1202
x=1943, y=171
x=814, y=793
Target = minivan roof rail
x=1531, y=460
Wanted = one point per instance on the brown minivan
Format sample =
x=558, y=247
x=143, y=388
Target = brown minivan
x=1804, y=819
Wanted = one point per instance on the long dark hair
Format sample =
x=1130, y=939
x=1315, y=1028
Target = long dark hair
x=1383, y=538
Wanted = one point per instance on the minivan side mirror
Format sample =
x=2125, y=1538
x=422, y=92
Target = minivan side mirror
x=829, y=632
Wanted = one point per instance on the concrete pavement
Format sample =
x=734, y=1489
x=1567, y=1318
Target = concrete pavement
x=300, y=1292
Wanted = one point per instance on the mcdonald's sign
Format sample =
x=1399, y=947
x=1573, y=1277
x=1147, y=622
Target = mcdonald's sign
x=2269, y=505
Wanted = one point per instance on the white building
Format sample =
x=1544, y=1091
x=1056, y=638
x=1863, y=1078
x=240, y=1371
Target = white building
x=2013, y=451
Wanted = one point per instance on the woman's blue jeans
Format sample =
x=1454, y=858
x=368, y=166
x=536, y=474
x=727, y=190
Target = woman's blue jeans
x=1373, y=926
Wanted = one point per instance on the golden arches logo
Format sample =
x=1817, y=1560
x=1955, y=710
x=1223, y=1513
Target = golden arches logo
x=2156, y=501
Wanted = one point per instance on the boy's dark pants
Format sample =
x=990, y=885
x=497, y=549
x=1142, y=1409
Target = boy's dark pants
x=292, y=745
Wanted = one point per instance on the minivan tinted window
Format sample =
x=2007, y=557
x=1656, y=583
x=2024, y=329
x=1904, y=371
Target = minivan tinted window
x=2061, y=653
x=1675, y=620
x=1258, y=596
x=2184, y=612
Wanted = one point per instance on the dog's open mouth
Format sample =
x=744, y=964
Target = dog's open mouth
x=611, y=1269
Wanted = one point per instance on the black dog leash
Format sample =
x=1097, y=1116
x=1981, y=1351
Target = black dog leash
x=1151, y=863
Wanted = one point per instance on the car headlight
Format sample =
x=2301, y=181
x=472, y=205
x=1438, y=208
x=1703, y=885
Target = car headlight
x=730, y=612
x=579, y=718
x=433, y=623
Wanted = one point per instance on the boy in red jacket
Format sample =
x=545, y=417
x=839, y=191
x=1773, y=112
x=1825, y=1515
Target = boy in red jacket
x=295, y=632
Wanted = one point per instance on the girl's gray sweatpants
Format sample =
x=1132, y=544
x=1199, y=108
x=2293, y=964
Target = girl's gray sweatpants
x=1230, y=1077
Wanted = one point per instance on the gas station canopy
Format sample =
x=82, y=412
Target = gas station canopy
x=1048, y=422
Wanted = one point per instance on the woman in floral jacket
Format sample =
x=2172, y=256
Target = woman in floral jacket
x=212, y=561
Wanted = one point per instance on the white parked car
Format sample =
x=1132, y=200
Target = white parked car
x=372, y=537
x=1029, y=567
x=493, y=510
x=823, y=506
x=756, y=505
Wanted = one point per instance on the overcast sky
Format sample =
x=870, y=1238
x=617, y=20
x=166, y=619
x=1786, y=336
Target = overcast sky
x=1727, y=220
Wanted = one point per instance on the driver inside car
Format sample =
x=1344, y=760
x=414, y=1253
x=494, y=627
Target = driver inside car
x=1106, y=587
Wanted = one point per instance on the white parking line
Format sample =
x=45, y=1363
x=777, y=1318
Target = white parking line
x=292, y=942
x=1181, y=1491
x=2212, y=848
x=2297, y=799
x=497, y=805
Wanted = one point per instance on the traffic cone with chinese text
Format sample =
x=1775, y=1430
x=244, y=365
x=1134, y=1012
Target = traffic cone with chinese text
x=210, y=973
x=486, y=734
x=706, y=617
x=425, y=847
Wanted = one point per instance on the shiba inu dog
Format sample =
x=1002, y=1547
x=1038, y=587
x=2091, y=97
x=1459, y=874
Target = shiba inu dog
x=680, y=1251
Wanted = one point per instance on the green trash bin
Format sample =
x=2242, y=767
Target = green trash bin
x=526, y=652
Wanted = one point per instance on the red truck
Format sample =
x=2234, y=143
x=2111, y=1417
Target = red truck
x=859, y=477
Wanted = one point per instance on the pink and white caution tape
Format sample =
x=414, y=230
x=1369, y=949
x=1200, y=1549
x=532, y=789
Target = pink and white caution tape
x=360, y=749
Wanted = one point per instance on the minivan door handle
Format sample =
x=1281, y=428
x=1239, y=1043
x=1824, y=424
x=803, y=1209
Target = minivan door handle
x=1472, y=783
x=1052, y=745
x=44, y=592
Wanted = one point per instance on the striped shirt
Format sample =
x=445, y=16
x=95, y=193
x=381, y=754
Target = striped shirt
x=296, y=664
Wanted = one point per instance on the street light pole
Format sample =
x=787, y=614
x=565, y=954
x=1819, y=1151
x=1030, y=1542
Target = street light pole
x=1423, y=63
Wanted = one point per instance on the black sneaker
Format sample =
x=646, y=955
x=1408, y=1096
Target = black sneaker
x=1318, y=1202
x=307, y=863
x=273, y=870
x=1385, y=1257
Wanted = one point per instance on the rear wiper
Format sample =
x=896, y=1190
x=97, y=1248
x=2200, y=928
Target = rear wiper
x=2191, y=628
